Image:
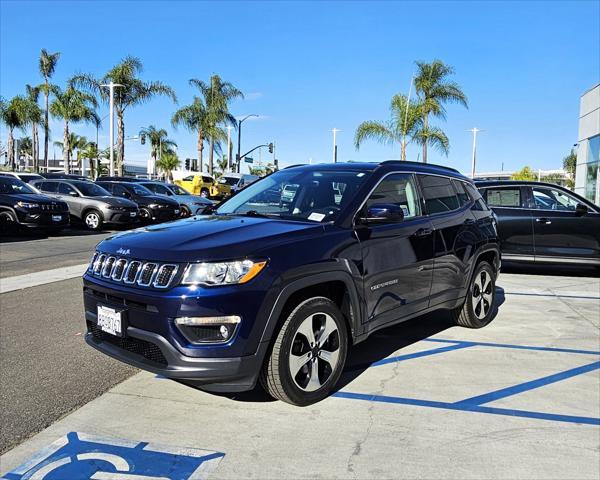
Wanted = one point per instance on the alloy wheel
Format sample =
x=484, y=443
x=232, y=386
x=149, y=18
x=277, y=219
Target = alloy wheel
x=92, y=220
x=315, y=351
x=482, y=294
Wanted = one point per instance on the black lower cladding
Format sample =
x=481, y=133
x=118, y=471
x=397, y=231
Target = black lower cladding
x=146, y=349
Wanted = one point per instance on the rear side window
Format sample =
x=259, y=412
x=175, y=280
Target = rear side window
x=207, y=180
x=438, y=194
x=461, y=193
x=398, y=189
x=107, y=186
x=504, y=197
x=49, y=187
x=65, y=188
x=479, y=203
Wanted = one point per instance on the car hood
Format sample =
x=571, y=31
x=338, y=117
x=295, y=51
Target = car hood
x=208, y=238
x=29, y=197
x=116, y=201
x=160, y=199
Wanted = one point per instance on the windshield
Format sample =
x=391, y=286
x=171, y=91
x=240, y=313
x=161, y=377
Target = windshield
x=89, y=189
x=177, y=190
x=297, y=195
x=29, y=178
x=10, y=185
x=140, y=190
x=229, y=180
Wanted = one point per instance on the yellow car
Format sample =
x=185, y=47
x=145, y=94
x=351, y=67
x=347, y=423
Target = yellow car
x=230, y=183
x=198, y=184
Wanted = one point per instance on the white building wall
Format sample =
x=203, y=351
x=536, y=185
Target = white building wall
x=589, y=127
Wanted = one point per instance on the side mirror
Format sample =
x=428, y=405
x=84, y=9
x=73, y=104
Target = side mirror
x=581, y=209
x=73, y=194
x=383, y=213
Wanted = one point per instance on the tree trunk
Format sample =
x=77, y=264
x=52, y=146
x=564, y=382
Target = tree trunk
x=211, y=155
x=200, y=147
x=66, y=154
x=426, y=139
x=120, y=144
x=34, y=147
x=10, y=147
x=46, y=95
x=403, y=150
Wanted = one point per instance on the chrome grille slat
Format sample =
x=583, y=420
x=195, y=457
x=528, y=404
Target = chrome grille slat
x=133, y=272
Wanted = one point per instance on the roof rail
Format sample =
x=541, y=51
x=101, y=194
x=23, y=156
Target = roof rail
x=404, y=162
x=295, y=165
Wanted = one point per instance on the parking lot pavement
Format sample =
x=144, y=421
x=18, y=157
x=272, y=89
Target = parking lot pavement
x=20, y=255
x=517, y=399
x=47, y=370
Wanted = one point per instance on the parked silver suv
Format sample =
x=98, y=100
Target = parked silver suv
x=90, y=203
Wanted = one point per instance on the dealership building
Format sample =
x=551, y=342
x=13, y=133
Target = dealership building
x=587, y=179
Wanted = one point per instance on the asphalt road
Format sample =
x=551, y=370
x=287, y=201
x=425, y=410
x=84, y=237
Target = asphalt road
x=47, y=369
x=27, y=253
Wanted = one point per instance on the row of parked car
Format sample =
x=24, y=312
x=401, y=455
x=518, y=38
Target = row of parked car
x=52, y=201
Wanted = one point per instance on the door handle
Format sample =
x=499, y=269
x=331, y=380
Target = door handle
x=544, y=220
x=423, y=232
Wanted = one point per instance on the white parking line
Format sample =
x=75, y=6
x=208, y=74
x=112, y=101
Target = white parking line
x=35, y=279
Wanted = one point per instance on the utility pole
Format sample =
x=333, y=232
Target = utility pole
x=474, y=130
x=229, y=162
x=111, y=88
x=239, y=151
x=403, y=153
x=335, y=130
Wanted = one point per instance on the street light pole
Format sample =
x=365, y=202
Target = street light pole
x=474, y=130
x=229, y=162
x=335, y=130
x=239, y=151
x=111, y=88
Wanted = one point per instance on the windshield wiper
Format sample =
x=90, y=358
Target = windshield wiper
x=255, y=213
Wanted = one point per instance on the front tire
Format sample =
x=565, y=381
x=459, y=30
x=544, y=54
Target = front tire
x=93, y=220
x=478, y=309
x=308, y=355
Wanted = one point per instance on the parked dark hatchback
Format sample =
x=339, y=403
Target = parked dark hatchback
x=153, y=208
x=22, y=206
x=544, y=223
x=278, y=292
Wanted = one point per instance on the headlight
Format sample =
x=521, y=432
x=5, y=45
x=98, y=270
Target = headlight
x=222, y=273
x=27, y=205
x=114, y=208
x=153, y=205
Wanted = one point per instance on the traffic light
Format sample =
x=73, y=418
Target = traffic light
x=143, y=139
x=276, y=163
x=187, y=163
x=271, y=147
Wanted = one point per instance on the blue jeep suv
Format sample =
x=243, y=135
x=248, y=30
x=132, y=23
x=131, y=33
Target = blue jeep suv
x=277, y=292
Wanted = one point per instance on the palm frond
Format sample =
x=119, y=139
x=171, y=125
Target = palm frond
x=374, y=131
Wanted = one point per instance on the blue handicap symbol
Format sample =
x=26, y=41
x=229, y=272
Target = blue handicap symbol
x=79, y=456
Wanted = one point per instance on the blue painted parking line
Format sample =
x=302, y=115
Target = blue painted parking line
x=517, y=347
x=78, y=456
x=578, y=297
x=469, y=408
x=425, y=353
x=526, y=386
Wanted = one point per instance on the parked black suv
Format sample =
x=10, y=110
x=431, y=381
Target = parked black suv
x=153, y=208
x=279, y=291
x=22, y=206
x=544, y=223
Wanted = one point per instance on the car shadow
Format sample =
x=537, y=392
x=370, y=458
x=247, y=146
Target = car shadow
x=73, y=231
x=380, y=345
x=552, y=270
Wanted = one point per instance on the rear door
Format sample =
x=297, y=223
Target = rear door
x=69, y=195
x=397, y=257
x=515, y=220
x=560, y=231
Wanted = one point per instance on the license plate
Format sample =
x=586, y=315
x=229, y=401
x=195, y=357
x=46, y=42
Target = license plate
x=132, y=214
x=56, y=218
x=110, y=320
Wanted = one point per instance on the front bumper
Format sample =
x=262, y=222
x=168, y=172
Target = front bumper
x=43, y=219
x=119, y=217
x=152, y=352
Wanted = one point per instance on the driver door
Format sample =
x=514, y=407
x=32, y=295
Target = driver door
x=398, y=256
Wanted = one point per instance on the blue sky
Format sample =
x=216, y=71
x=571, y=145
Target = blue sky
x=307, y=67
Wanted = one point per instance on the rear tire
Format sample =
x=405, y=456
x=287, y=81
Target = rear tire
x=185, y=211
x=478, y=309
x=204, y=193
x=8, y=222
x=308, y=354
x=93, y=220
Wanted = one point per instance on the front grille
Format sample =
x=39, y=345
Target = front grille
x=148, y=350
x=132, y=272
x=55, y=207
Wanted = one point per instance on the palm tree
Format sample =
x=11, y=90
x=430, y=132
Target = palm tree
x=403, y=127
x=34, y=117
x=47, y=64
x=77, y=144
x=90, y=152
x=434, y=90
x=72, y=105
x=194, y=117
x=132, y=91
x=14, y=115
x=25, y=147
x=222, y=165
x=217, y=94
x=160, y=143
x=167, y=163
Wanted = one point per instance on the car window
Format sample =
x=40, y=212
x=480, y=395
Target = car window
x=398, y=189
x=461, y=193
x=207, y=179
x=119, y=190
x=90, y=189
x=178, y=190
x=189, y=178
x=158, y=188
x=140, y=190
x=11, y=185
x=65, y=189
x=479, y=204
x=546, y=198
x=108, y=187
x=49, y=187
x=504, y=197
x=438, y=194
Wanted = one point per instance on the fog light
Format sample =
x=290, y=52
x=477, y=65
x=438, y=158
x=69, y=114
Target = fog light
x=208, y=329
